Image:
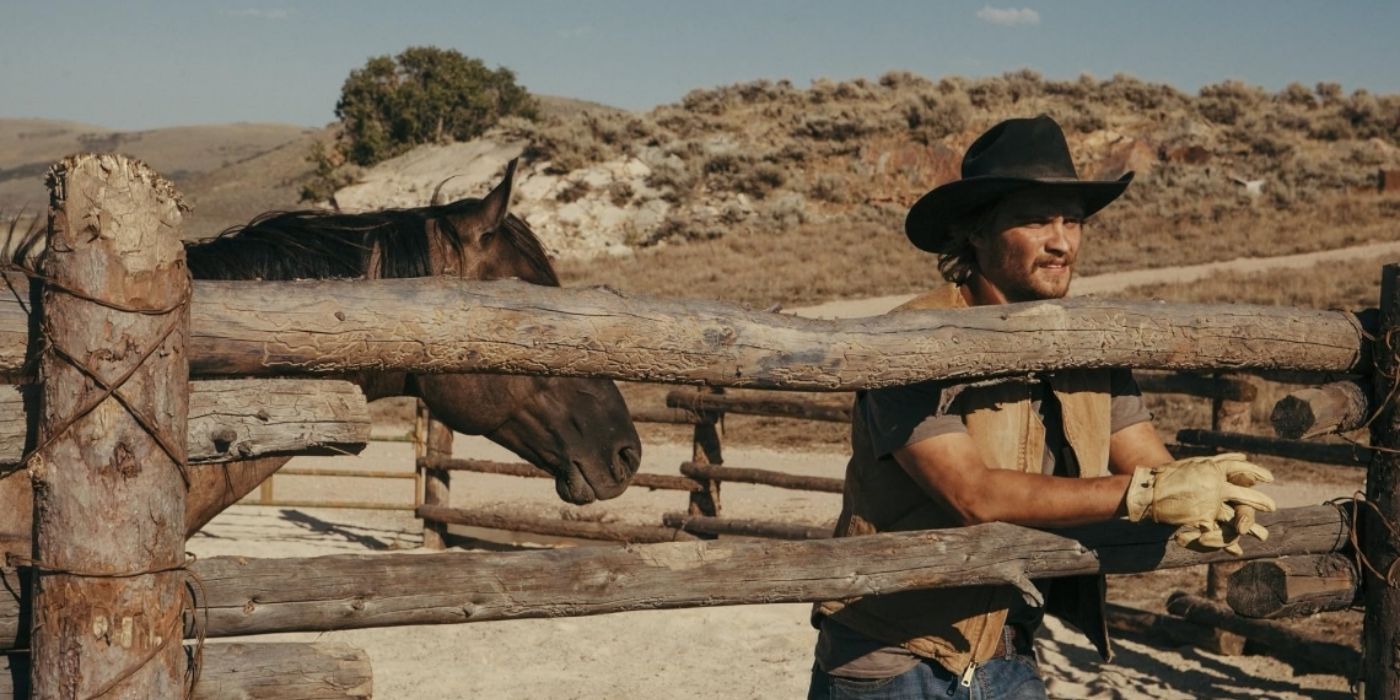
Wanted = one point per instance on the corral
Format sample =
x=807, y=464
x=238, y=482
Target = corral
x=114, y=355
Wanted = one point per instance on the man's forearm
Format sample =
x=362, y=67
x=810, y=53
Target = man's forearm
x=1045, y=501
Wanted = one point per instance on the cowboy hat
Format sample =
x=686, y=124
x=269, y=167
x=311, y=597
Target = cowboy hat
x=1015, y=155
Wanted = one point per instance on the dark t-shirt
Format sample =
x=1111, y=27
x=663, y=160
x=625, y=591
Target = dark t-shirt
x=903, y=415
x=896, y=417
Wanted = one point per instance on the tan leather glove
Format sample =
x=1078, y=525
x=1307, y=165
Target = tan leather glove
x=1198, y=494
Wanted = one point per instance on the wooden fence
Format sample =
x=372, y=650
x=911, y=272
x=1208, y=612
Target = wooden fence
x=106, y=597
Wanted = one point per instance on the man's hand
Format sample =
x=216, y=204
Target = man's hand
x=1200, y=492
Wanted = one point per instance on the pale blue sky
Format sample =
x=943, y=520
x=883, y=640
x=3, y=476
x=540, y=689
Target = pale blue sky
x=137, y=65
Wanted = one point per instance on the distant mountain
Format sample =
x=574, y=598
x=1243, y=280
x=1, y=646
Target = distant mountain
x=29, y=146
x=228, y=172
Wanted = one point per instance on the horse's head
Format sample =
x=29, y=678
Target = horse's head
x=578, y=429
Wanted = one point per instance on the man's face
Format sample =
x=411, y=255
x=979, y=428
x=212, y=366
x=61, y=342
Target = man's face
x=1032, y=257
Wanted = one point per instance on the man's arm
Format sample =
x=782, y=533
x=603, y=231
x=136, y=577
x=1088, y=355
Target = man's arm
x=951, y=471
x=1136, y=446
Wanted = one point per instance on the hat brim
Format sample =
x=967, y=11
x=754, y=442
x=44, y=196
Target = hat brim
x=930, y=220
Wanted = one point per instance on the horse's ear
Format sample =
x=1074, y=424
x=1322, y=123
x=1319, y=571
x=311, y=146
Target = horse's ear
x=497, y=204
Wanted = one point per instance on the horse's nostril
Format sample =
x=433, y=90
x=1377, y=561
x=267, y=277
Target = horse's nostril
x=630, y=458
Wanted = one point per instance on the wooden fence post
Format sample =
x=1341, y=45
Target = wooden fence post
x=1380, y=638
x=706, y=449
x=109, y=496
x=433, y=441
x=1231, y=416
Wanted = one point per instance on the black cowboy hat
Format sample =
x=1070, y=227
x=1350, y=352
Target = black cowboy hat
x=1015, y=155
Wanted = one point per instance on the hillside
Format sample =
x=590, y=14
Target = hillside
x=29, y=146
x=766, y=192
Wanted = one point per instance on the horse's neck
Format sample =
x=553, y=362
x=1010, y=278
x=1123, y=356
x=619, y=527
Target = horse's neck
x=379, y=385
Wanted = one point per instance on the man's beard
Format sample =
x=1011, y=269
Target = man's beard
x=1034, y=287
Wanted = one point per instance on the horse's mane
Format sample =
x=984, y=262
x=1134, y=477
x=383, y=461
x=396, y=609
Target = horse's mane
x=312, y=244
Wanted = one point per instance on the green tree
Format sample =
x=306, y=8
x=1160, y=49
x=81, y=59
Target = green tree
x=423, y=95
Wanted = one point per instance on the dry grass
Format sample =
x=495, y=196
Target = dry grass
x=1333, y=285
x=29, y=146
x=795, y=196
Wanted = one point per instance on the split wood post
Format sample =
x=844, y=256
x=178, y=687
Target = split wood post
x=434, y=442
x=1217, y=585
x=706, y=449
x=1294, y=586
x=109, y=495
x=1227, y=414
x=1380, y=637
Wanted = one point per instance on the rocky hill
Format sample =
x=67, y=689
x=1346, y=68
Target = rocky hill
x=1233, y=170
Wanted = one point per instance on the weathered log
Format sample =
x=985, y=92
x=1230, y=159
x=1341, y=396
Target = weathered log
x=775, y=406
x=1228, y=388
x=1338, y=407
x=1232, y=415
x=239, y=419
x=1180, y=451
x=109, y=496
x=772, y=529
x=229, y=420
x=505, y=519
x=1304, y=450
x=1217, y=585
x=443, y=324
x=766, y=477
x=264, y=671
x=437, y=483
x=665, y=482
x=347, y=473
x=1293, y=586
x=1295, y=647
x=1368, y=319
x=257, y=596
x=674, y=416
x=1380, y=634
x=706, y=447
x=215, y=487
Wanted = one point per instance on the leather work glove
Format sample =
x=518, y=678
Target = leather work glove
x=1198, y=494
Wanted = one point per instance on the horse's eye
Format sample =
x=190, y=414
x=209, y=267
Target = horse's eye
x=486, y=238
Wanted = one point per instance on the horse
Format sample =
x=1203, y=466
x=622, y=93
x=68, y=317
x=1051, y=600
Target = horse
x=579, y=430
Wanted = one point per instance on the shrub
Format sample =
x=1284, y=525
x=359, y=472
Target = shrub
x=423, y=95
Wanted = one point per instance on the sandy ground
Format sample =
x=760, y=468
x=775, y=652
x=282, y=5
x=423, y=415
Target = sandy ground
x=761, y=651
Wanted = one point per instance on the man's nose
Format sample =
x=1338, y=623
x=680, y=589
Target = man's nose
x=1059, y=237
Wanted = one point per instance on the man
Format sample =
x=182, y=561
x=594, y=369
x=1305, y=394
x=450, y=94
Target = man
x=1052, y=450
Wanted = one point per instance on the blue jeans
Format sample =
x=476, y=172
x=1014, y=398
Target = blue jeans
x=1003, y=678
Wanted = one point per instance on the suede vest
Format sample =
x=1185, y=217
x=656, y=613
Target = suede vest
x=960, y=626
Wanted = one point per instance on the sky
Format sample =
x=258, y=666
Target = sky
x=148, y=64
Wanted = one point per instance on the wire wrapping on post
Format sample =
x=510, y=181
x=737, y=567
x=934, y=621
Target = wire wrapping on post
x=175, y=450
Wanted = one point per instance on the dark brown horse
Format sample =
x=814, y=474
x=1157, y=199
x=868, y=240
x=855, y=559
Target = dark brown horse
x=577, y=429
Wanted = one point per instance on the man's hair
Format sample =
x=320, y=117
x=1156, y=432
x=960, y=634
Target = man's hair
x=957, y=259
